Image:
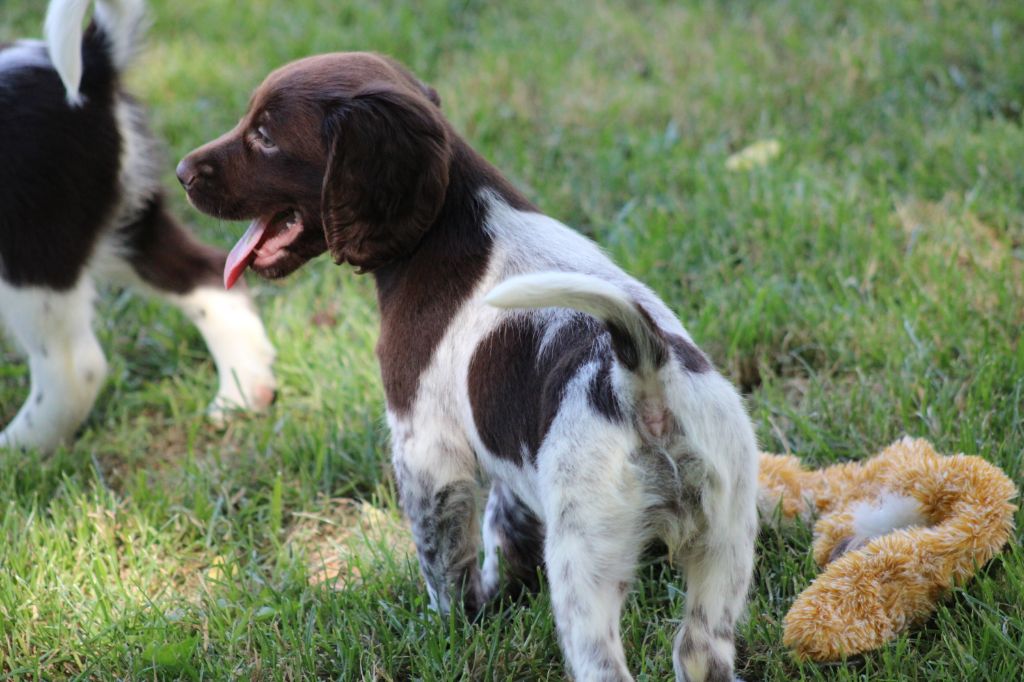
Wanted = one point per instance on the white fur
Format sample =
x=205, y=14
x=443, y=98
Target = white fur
x=23, y=54
x=63, y=31
x=238, y=342
x=54, y=329
x=121, y=20
x=125, y=22
x=889, y=512
x=490, y=576
x=141, y=159
x=610, y=488
x=564, y=290
x=588, y=566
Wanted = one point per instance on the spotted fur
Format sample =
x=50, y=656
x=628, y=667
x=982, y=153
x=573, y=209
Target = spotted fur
x=512, y=350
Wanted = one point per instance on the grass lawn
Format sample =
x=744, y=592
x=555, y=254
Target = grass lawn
x=865, y=284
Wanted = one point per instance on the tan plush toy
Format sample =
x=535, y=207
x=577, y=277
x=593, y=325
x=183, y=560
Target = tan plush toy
x=893, y=532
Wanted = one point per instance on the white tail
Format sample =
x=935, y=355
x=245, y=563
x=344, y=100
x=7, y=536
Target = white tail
x=121, y=21
x=632, y=331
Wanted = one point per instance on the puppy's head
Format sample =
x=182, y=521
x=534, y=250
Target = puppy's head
x=341, y=152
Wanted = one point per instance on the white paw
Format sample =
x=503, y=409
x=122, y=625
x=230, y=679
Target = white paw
x=247, y=380
x=251, y=387
x=240, y=348
x=24, y=434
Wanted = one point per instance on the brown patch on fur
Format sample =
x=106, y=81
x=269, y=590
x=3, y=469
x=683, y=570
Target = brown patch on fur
x=387, y=174
x=522, y=542
x=688, y=355
x=624, y=343
x=167, y=256
x=516, y=388
x=601, y=392
x=419, y=295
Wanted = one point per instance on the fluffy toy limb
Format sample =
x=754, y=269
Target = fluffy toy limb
x=899, y=530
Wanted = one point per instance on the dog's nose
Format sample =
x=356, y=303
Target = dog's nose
x=188, y=172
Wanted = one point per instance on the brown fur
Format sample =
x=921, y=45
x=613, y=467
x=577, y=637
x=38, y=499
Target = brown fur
x=387, y=175
x=379, y=178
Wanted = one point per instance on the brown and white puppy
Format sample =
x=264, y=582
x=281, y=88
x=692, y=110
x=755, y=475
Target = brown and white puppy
x=509, y=344
x=81, y=203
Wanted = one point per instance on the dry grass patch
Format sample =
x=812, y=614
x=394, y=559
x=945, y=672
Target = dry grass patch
x=950, y=234
x=345, y=537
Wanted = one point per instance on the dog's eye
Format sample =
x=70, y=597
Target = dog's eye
x=262, y=138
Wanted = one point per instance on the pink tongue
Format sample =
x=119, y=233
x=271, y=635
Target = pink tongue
x=242, y=254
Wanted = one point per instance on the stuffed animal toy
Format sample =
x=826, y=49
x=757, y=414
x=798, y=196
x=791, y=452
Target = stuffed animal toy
x=893, y=533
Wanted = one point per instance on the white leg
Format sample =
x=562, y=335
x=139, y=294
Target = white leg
x=718, y=561
x=158, y=256
x=490, y=575
x=718, y=569
x=594, y=536
x=238, y=342
x=66, y=363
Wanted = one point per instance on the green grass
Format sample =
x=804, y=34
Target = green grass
x=867, y=283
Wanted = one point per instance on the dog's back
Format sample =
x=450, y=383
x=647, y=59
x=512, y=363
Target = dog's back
x=81, y=203
x=57, y=186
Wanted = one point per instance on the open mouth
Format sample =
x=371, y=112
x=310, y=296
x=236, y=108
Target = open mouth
x=262, y=243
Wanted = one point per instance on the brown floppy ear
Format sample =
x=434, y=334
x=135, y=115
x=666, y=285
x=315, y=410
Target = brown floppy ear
x=387, y=174
x=431, y=94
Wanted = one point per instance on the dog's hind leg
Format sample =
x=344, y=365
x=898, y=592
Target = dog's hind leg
x=66, y=363
x=717, y=577
x=595, y=531
x=515, y=533
x=718, y=561
x=163, y=257
x=718, y=566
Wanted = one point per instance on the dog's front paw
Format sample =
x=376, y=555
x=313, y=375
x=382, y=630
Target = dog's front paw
x=11, y=438
x=249, y=387
x=241, y=350
x=25, y=434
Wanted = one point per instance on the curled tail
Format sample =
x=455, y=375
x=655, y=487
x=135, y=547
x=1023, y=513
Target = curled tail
x=120, y=25
x=638, y=343
x=640, y=346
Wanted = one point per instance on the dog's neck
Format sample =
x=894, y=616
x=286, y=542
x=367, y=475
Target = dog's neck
x=419, y=294
x=457, y=245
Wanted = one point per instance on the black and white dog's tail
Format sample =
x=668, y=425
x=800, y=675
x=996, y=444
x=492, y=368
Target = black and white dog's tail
x=118, y=28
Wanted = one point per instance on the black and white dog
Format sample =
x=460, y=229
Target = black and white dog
x=81, y=203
